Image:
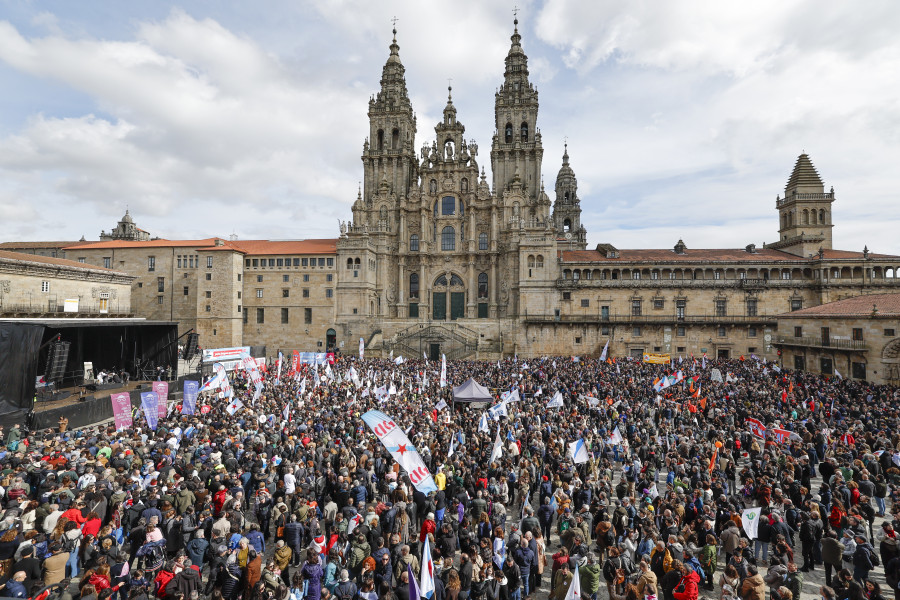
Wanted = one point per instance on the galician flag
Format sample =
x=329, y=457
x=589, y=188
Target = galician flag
x=750, y=522
x=362, y=349
x=426, y=579
x=605, y=350
x=443, y=371
x=556, y=401
x=574, y=592
x=497, y=450
x=578, y=451
x=615, y=437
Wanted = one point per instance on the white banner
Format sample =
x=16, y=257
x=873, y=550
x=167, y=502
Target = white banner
x=401, y=449
x=443, y=370
x=750, y=522
x=220, y=354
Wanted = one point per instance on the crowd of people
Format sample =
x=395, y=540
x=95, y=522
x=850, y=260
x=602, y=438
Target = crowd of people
x=292, y=496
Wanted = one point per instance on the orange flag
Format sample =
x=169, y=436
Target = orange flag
x=712, y=461
x=703, y=403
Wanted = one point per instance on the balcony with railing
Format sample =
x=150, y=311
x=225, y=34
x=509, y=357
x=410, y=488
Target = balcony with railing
x=58, y=311
x=659, y=319
x=820, y=342
x=815, y=197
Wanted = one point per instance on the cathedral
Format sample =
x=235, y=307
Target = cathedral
x=438, y=259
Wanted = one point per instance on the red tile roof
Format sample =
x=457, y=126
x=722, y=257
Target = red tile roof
x=858, y=306
x=148, y=244
x=46, y=260
x=28, y=245
x=282, y=247
x=727, y=255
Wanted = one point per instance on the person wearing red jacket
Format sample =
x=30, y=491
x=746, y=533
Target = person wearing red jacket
x=689, y=584
x=428, y=526
x=74, y=514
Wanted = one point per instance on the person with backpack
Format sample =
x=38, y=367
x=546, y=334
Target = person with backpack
x=345, y=589
x=864, y=559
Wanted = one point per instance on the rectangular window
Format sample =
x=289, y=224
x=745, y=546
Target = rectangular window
x=329, y=277
x=208, y=294
x=567, y=295
x=304, y=262
x=742, y=275
x=858, y=370
x=82, y=259
x=239, y=295
x=285, y=293
x=889, y=332
x=604, y=330
x=151, y=263
x=751, y=307
x=635, y=274
x=279, y=262
x=798, y=332
x=585, y=303
x=209, y=276
x=186, y=290
x=329, y=262
x=271, y=262
x=799, y=362
x=255, y=262
x=680, y=331
x=246, y=263
x=45, y=286
x=635, y=308
x=284, y=315
x=179, y=262
x=658, y=303
x=751, y=349
x=722, y=332
x=679, y=308
x=159, y=299
x=208, y=308
x=246, y=316
x=785, y=274
x=191, y=261
x=717, y=275
x=857, y=334
x=721, y=308
x=321, y=262
x=239, y=309
x=751, y=332
x=107, y=262
x=654, y=274
x=413, y=310
x=209, y=262
x=260, y=315
x=259, y=293
x=796, y=304
x=680, y=349
x=826, y=366
x=329, y=293
x=161, y=284
x=305, y=292
x=577, y=340
x=296, y=262
x=259, y=279
x=482, y=310
x=306, y=278
x=636, y=331
x=307, y=315
x=239, y=276
x=285, y=278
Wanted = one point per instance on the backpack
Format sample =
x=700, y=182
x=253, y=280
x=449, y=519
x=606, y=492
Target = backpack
x=162, y=580
x=345, y=591
x=873, y=557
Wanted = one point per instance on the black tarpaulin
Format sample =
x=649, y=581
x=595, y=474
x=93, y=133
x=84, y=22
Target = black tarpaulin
x=19, y=347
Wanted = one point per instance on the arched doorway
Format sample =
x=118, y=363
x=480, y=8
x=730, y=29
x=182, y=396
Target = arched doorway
x=330, y=339
x=444, y=291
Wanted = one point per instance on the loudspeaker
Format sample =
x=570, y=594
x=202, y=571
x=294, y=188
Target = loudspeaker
x=57, y=357
x=190, y=348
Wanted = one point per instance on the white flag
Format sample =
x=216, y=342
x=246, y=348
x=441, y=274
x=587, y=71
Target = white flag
x=441, y=405
x=838, y=374
x=362, y=349
x=750, y=522
x=578, y=451
x=556, y=401
x=615, y=437
x=574, y=592
x=497, y=451
x=443, y=371
x=234, y=406
x=498, y=411
x=605, y=350
x=483, y=423
x=398, y=360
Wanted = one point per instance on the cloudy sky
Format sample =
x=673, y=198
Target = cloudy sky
x=684, y=119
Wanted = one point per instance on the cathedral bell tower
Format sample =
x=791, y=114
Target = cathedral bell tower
x=805, y=212
x=567, y=208
x=516, y=151
x=389, y=158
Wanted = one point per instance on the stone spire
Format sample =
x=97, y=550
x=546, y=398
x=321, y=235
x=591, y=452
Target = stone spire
x=393, y=75
x=804, y=178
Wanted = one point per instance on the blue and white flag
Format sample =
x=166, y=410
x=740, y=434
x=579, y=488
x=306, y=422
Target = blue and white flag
x=497, y=450
x=150, y=404
x=397, y=443
x=426, y=579
x=219, y=377
x=578, y=451
x=498, y=411
x=234, y=406
x=483, y=423
x=510, y=436
x=441, y=405
x=556, y=401
x=605, y=350
x=362, y=349
x=615, y=437
x=454, y=441
x=511, y=396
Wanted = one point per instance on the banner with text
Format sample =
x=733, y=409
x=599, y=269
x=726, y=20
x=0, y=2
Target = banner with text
x=121, y=405
x=189, y=403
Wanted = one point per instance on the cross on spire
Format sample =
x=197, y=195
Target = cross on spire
x=394, y=21
x=515, y=11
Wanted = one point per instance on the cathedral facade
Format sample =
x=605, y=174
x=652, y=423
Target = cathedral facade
x=438, y=260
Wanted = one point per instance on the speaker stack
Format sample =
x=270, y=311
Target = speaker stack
x=190, y=348
x=57, y=358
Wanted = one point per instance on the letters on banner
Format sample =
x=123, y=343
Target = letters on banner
x=406, y=455
x=756, y=428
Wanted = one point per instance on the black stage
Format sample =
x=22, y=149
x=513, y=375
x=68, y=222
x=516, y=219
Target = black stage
x=135, y=346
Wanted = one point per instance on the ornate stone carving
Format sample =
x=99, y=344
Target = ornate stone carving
x=96, y=291
x=4, y=286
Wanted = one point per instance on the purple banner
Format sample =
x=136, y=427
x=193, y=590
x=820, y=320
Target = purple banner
x=189, y=404
x=150, y=404
x=121, y=404
x=162, y=391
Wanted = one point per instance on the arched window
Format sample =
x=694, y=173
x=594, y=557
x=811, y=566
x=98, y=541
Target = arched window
x=414, y=243
x=380, y=143
x=822, y=217
x=440, y=281
x=539, y=263
x=448, y=238
x=567, y=225
x=455, y=280
x=524, y=130
x=806, y=217
x=576, y=274
x=356, y=263
x=349, y=263
x=812, y=217
x=566, y=198
x=482, y=241
x=413, y=285
x=464, y=185
x=482, y=285
x=509, y=133
x=395, y=139
x=448, y=205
